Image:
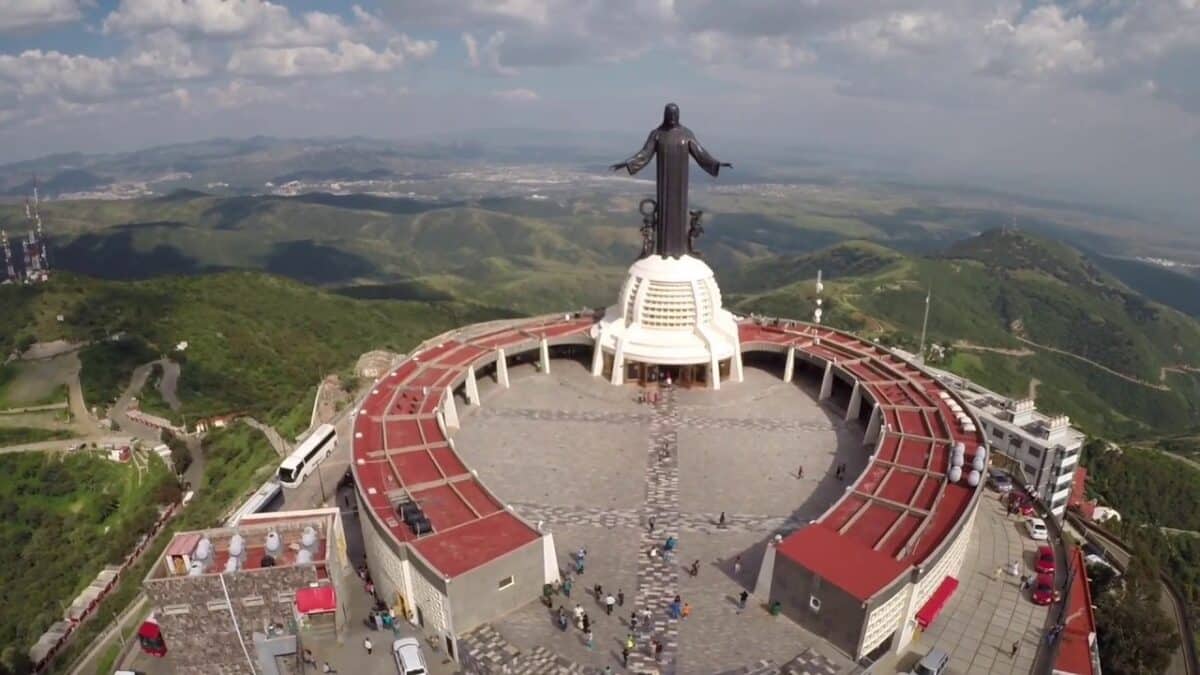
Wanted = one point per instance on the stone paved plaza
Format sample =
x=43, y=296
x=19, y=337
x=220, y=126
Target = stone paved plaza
x=989, y=612
x=583, y=457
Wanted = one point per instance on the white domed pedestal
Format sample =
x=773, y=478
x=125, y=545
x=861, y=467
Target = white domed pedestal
x=669, y=314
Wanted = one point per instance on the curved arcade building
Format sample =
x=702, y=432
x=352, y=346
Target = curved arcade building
x=449, y=555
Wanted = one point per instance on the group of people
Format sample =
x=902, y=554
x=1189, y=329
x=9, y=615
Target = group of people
x=309, y=660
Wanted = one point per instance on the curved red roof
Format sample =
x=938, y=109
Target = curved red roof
x=400, y=452
x=902, y=507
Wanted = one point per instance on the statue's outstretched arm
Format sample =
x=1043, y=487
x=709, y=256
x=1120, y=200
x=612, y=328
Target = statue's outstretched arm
x=706, y=161
x=641, y=158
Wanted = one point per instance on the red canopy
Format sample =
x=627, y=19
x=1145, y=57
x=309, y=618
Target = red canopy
x=316, y=600
x=933, y=606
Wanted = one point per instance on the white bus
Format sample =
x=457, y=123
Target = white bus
x=263, y=500
x=307, y=456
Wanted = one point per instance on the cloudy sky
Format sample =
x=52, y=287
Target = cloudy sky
x=1086, y=99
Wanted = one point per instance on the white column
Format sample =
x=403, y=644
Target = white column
x=502, y=368
x=598, y=355
x=450, y=410
x=618, y=367
x=827, y=382
x=549, y=559
x=766, y=570
x=873, y=425
x=472, y=386
x=544, y=348
x=714, y=371
x=855, y=406
x=789, y=368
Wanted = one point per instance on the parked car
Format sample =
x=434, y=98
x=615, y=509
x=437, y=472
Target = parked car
x=1044, y=562
x=1000, y=481
x=933, y=663
x=407, y=653
x=1037, y=529
x=1043, y=590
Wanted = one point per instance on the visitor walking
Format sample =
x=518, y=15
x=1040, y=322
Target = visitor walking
x=598, y=593
x=625, y=657
x=620, y=597
x=587, y=623
x=1016, y=646
x=737, y=565
x=800, y=472
x=591, y=638
x=694, y=570
x=567, y=586
x=650, y=522
x=609, y=603
x=686, y=611
x=326, y=668
x=721, y=520
x=745, y=595
x=658, y=650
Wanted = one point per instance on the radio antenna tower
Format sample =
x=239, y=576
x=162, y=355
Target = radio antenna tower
x=11, y=272
x=924, y=325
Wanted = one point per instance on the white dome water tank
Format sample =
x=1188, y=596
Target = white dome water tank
x=203, y=550
x=960, y=448
x=195, y=569
x=956, y=460
x=973, y=478
x=231, y=564
x=237, y=546
x=955, y=474
x=308, y=539
x=273, y=544
x=979, y=463
x=304, y=556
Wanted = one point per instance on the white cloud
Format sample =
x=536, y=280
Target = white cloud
x=1045, y=42
x=486, y=57
x=35, y=15
x=345, y=57
x=519, y=95
x=35, y=74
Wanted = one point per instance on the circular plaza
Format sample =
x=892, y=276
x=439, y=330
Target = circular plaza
x=593, y=464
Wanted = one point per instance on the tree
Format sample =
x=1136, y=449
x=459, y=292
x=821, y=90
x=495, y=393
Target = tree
x=1135, y=637
x=15, y=661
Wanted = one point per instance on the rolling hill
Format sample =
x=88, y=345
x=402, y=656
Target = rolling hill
x=1039, y=309
x=256, y=343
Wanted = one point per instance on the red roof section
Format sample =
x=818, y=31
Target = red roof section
x=400, y=452
x=313, y=600
x=901, y=507
x=1075, y=647
x=858, y=570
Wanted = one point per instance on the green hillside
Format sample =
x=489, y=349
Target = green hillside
x=994, y=289
x=256, y=343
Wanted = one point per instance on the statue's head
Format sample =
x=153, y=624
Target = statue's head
x=670, y=116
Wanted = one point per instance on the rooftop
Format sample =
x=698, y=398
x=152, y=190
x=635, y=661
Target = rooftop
x=290, y=527
x=401, y=453
x=1031, y=424
x=902, y=507
x=1076, y=650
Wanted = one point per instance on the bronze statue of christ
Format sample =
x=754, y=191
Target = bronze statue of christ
x=672, y=143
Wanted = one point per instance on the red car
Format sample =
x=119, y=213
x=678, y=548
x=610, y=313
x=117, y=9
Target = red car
x=1044, y=564
x=1043, y=590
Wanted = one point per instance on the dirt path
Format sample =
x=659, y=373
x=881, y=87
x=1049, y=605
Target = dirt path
x=969, y=346
x=1180, y=368
x=79, y=409
x=281, y=446
x=169, y=383
x=1110, y=371
x=1033, y=385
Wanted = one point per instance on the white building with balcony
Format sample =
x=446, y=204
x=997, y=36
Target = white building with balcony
x=1046, y=447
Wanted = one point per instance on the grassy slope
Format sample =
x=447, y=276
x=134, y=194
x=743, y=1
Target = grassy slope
x=256, y=342
x=1051, y=293
x=61, y=520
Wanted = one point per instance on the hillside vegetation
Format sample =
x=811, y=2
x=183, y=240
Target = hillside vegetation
x=256, y=343
x=995, y=290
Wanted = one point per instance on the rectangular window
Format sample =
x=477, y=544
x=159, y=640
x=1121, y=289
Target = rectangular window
x=1030, y=469
x=506, y=582
x=253, y=601
x=176, y=610
x=1016, y=443
x=998, y=433
x=1036, y=452
x=218, y=606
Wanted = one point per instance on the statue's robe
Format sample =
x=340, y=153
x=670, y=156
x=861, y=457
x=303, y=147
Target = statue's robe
x=671, y=146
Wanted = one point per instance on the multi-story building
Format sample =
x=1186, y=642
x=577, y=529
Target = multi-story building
x=1043, y=448
x=236, y=600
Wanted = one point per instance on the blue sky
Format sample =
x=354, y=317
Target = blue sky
x=1079, y=98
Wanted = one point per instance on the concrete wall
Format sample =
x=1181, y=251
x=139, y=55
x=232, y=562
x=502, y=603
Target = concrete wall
x=477, y=597
x=841, y=617
x=201, y=638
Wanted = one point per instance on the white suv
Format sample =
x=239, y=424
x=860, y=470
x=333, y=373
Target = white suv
x=407, y=652
x=1037, y=529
